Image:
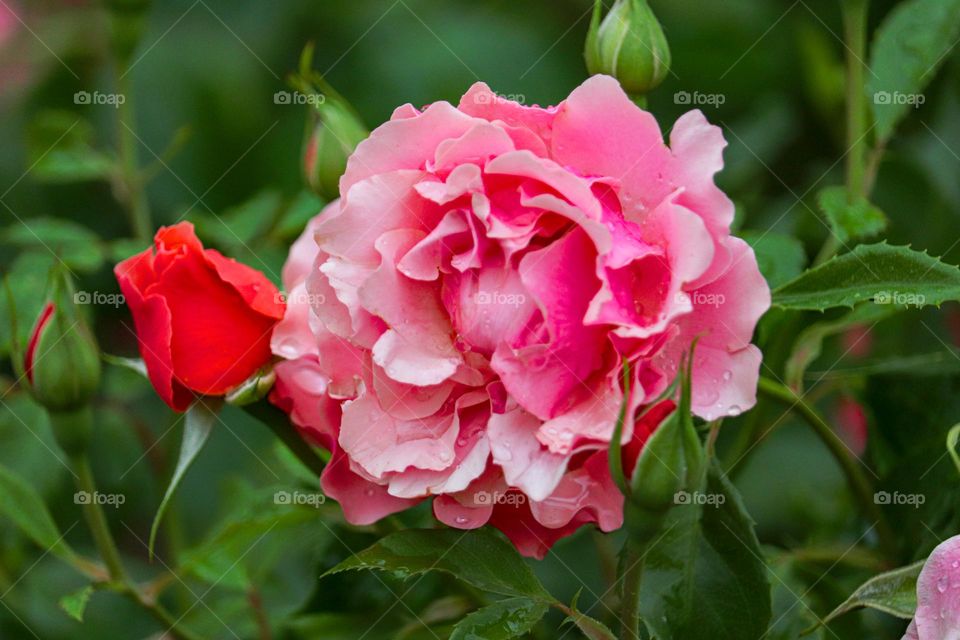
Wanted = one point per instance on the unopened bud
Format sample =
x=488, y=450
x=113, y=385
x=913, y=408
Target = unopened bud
x=333, y=133
x=62, y=362
x=628, y=44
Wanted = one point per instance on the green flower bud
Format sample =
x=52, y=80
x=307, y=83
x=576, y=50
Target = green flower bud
x=672, y=461
x=333, y=132
x=62, y=361
x=253, y=389
x=628, y=44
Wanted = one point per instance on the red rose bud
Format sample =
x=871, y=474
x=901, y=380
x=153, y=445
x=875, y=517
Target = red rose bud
x=629, y=45
x=62, y=362
x=203, y=321
x=333, y=132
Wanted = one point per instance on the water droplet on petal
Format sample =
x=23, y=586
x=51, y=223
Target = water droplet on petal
x=461, y=519
x=727, y=375
x=734, y=411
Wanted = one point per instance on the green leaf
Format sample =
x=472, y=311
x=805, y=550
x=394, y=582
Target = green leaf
x=703, y=577
x=590, y=627
x=809, y=343
x=222, y=558
x=850, y=221
x=914, y=39
x=198, y=424
x=25, y=508
x=137, y=365
x=937, y=363
x=952, y=437
x=781, y=258
x=336, y=626
x=792, y=612
x=61, y=149
x=27, y=280
x=74, y=244
x=502, y=620
x=479, y=557
x=243, y=224
x=893, y=592
x=880, y=272
x=75, y=603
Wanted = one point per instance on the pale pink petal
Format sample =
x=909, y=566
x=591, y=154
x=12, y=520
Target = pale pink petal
x=724, y=383
x=481, y=102
x=425, y=259
x=599, y=131
x=587, y=489
x=547, y=370
x=488, y=306
x=382, y=444
x=293, y=337
x=453, y=514
x=334, y=289
x=406, y=401
x=470, y=461
x=726, y=310
x=418, y=348
x=404, y=143
x=464, y=179
x=938, y=594
x=591, y=421
x=377, y=205
x=526, y=464
x=524, y=164
x=478, y=145
x=697, y=148
x=301, y=391
x=304, y=250
x=363, y=502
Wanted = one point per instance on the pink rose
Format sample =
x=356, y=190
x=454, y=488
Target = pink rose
x=458, y=321
x=938, y=595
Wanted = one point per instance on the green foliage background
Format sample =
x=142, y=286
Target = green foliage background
x=227, y=550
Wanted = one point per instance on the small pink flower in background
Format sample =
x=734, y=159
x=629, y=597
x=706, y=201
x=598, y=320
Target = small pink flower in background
x=851, y=420
x=953, y=325
x=858, y=341
x=8, y=23
x=938, y=595
x=458, y=321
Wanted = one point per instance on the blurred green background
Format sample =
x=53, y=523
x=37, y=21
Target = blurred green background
x=203, y=79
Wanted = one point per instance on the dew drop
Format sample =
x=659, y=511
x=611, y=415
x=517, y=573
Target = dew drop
x=461, y=519
x=942, y=584
x=727, y=375
x=734, y=411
